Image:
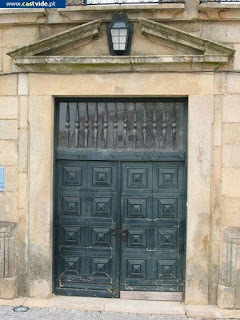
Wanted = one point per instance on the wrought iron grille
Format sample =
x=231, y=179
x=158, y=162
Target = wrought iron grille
x=121, y=125
x=111, y=2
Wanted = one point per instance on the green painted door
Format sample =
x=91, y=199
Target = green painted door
x=87, y=213
x=152, y=226
x=120, y=181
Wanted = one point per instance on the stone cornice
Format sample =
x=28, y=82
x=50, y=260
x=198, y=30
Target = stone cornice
x=182, y=38
x=81, y=32
x=117, y=64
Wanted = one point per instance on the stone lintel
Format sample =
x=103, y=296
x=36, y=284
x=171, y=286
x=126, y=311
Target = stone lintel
x=81, y=32
x=117, y=60
x=182, y=38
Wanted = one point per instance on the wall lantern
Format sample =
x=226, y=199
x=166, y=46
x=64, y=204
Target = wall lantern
x=119, y=32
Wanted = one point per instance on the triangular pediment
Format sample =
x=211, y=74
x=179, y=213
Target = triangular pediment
x=84, y=48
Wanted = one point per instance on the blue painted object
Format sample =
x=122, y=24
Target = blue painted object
x=1, y=178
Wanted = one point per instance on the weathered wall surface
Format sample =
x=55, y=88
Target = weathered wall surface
x=26, y=141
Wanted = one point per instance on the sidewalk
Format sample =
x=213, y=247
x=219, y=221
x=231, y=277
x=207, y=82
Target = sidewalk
x=62, y=307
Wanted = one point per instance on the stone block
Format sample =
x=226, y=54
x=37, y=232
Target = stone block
x=220, y=80
x=230, y=182
x=23, y=112
x=236, y=61
x=23, y=150
x=23, y=84
x=121, y=84
x=15, y=36
x=8, y=209
x=8, y=153
x=231, y=108
x=1, y=59
x=8, y=288
x=233, y=83
x=199, y=171
x=230, y=268
x=231, y=156
x=7, y=249
x=9, y=129
x=22, y=193
x=11, y=178
x=230, y=212
x=8, y=85
x=218, y=103
x=231, y=133
x=8, y=64
x=8, y=107
x=226, y=297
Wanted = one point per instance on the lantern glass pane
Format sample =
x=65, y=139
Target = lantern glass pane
x=123, y=32
x=119, y=39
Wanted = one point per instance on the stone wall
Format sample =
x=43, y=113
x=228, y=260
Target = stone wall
x=26, y=143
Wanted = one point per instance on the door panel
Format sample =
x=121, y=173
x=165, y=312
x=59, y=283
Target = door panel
x=87, y=219
x=151, y=257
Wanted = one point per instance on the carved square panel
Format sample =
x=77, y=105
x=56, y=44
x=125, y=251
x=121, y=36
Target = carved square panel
x=168, y=238
x=71, y=265
x=72, y=176
x=101, y=267
x=136, y=268
x=102, y=206
x=137, y=238
x=167, y=269
x=71, y=235
x=136, y=208
x=167, y=208
x=100, y=236
x=71, y=206
x=137, y=178
x=102, y=177
x=167, y=178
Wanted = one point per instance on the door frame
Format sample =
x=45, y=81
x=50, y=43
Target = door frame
x=81, y=154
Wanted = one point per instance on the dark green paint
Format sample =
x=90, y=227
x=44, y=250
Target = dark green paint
x=131, y=244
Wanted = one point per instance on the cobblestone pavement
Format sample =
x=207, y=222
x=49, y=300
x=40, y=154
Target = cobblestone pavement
x=7, y=313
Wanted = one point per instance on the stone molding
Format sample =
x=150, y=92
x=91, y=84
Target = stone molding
x=82, y=32
x=8, y=279
x=204, y=53
x=229, y=286
x=62, y=64
x=182, y=38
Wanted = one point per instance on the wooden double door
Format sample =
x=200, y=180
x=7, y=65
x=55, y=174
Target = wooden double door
x=119, y=226
x=120, y=195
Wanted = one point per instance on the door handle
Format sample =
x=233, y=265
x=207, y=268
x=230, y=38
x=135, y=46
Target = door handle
x=124, y=232
x=114, y=229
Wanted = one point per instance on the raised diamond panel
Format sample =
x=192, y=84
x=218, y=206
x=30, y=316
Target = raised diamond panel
x=102, y=177
x=136, y=268
x=71, y=265
x=72, y=176
x=71, y=206
x=71, y=235
x=102, y=206
x=167, y=178
x=167, y=208
x=137, y=238
x=167, y=269
x=100, y=236
x=137, y=208
x=137, y=178
x=167, y=238
x=100, y=267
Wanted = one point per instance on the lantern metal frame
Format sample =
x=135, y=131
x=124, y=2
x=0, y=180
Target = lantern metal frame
x=120, y=18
